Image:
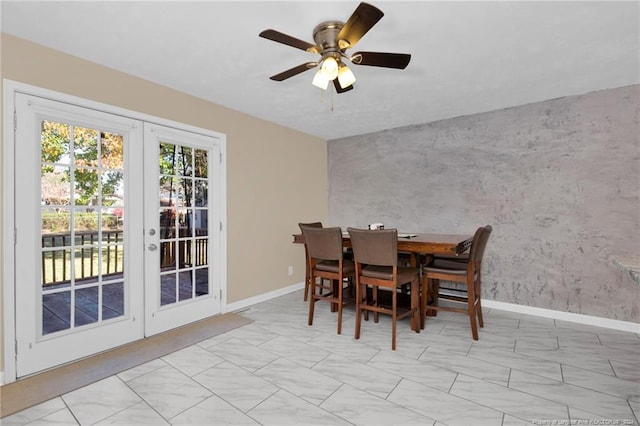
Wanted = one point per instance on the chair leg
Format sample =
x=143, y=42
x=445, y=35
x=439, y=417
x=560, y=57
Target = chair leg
x=375, y=303
x=394, y=314
x=472, y=321
x=472, y=309
x=307, y=274
x=479, y=306
x=334, y=291
x=312, y=302
x=423, y=302
x=340, y=285
x=366, y=296
x=358, y=309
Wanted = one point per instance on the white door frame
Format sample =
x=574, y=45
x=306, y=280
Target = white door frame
x=10, y=88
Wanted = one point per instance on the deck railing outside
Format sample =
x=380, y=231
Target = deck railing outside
x=56, y=264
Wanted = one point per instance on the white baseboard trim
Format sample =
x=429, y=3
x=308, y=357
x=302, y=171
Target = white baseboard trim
x=492, y=304
x=2, y=378
x=564, y=316
x=245, y=303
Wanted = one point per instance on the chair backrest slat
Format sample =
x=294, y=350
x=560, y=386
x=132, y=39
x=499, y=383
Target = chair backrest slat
x=479, y=243
x=323, y=243
x=375, y=247
x=310, y=225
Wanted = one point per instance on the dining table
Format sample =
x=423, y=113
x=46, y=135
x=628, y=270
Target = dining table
x=419, y=243
x=422, y=247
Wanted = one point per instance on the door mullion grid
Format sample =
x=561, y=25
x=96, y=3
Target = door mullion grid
x=100, y=235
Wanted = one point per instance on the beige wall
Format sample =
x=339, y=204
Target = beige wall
x=276, y=177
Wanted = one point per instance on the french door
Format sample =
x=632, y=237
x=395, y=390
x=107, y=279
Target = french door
x=116, y=224
x=182, y=218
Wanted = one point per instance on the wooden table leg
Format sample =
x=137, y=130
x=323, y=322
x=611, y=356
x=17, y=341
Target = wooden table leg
x=434, y=288
x=432, y=297
x=416, y=318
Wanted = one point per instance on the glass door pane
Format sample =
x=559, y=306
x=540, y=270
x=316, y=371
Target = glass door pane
x=82, y=226
x=183, y=223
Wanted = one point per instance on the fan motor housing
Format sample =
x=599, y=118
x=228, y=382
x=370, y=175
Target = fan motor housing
x=325, y=35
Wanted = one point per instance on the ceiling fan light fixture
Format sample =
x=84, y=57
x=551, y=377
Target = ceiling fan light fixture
x=320, y=80
x=331, y=40
x=330, y=67
x=345, y=77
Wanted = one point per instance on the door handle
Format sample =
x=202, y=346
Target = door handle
x=153, y=247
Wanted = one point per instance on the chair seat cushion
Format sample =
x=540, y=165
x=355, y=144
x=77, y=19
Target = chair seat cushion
x=405, y=274
x=448, y=264
x=446, y=267
x=462, y=257
x=332, y=266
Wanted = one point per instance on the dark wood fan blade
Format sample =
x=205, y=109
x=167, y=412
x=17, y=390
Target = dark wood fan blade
x=380, y=59
x=363, y=18
x=293, y=71
x=283, y=38
x=339, y=88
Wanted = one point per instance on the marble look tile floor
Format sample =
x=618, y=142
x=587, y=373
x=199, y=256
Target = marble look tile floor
x=279, y=371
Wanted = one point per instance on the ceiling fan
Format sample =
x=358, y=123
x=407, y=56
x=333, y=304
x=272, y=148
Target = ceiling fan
x=332, y=39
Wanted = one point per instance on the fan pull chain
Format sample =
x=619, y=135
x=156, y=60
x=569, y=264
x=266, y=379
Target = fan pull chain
x=322, y=92
x=332, y=101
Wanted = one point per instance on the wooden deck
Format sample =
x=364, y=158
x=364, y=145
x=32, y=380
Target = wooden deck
x=56, y=309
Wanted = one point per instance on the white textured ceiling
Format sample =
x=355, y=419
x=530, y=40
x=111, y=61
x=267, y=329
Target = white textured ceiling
x=467, y=57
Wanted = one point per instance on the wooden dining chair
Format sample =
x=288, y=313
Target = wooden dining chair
x=307, y=272
x=326, y=262
x=469, y=273
x=376, y=266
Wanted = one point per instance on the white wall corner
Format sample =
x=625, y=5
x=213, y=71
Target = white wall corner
x=564, y=316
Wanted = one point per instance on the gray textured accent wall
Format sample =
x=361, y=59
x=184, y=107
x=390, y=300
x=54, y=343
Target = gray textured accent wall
x=558, y=180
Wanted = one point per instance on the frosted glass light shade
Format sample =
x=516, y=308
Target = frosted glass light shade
x=346, y=77
x=320, y=80
x=330, y=67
